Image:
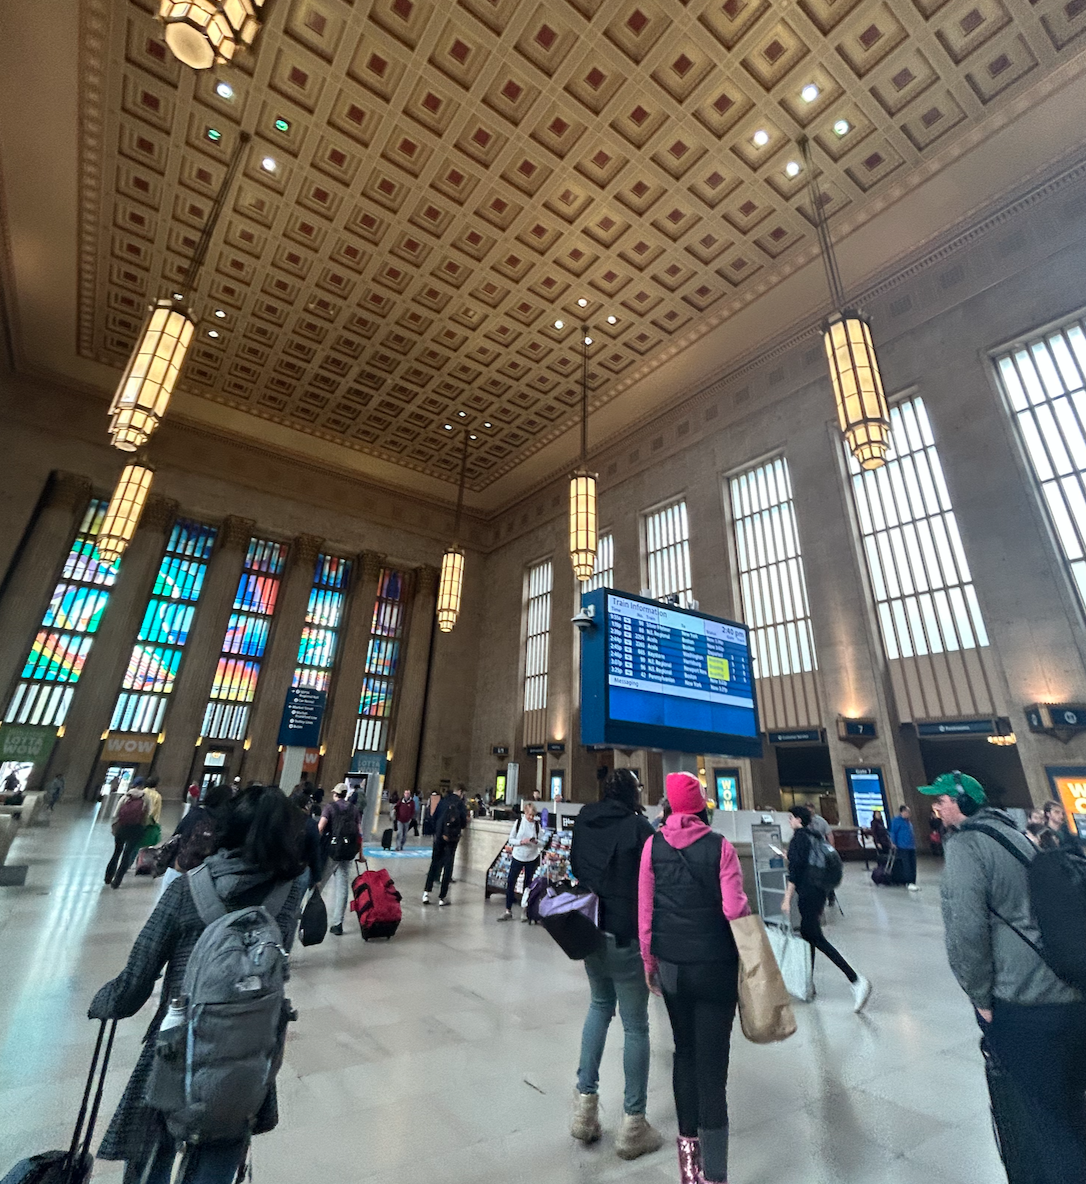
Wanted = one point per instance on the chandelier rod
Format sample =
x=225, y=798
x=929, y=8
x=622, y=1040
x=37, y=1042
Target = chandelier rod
x=825, y=242
x=460, y=492
x=204, y=241
x=584, y=396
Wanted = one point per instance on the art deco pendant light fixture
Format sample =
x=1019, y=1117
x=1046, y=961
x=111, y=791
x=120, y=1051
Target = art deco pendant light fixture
x=450, y=587
x=148, y=382
x=201, y=33
x=583, y=519
x=854, y=369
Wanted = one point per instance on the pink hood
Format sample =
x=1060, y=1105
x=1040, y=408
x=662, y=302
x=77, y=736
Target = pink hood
x=681, y=830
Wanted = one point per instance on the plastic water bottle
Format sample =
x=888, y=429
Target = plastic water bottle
x=176, y=1014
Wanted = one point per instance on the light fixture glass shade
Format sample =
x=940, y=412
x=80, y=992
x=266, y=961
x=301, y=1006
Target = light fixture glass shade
x=150, y=376
x=583, y=523
x=123, y=515
x=449, y=589
x=857, y=388
x=203, y=32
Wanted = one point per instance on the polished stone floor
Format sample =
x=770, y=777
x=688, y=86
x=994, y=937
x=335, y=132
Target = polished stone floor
x=448, y=1054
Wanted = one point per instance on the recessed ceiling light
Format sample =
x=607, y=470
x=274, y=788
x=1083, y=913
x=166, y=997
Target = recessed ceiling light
x=178, y=296
x=792, y=168
x=472, y=436
x=559, y=324
x=448, y=427
x=214, y=135
x=488, y=424
x=612, y=320
x=809, y=93
x=588, y=341
x=268, y=164
x=281, y=125
x=842, y=127
x=212, y=332
x=582, y=303
x=760, y=138
x=224, y=90
x=462, y=414
x=219, y=313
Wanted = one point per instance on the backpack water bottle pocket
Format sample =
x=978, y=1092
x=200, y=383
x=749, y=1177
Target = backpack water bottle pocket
x=165, y=1089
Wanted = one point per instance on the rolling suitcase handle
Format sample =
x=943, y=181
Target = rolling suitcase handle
x=71, y=1161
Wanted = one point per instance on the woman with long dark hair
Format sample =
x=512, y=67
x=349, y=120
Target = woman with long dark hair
x=691, y=886
x=260, y=849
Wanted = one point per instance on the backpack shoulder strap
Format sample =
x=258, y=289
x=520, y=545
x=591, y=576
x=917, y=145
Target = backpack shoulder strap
x=204, y=896
x=277, y=897
x=994, y=833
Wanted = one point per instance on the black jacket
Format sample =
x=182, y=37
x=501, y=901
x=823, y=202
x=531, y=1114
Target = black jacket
x=606, y=856
x=451, y=818
x=688, y=922
x=799, y=856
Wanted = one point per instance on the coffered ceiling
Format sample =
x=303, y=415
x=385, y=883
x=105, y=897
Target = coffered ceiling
x=431, y=184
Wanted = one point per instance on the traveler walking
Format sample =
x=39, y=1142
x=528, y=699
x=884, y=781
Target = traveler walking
x=690, y=887
x=880, y=836
x=341, y=828
x=314, y=856
x=56, y=789
x=128, y=829
x=196, y=836
x=804, y=884
x=261, y=862
x=524, y=848
x=903, y=839
x=402, y=814
x=1056, y=819
x=821, y=827
x=605, y=856
x=1033, y=1024
x=449, y=822
x=11, y=783
x=413, y=825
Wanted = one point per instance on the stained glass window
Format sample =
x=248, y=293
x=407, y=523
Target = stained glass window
x=234, y=686
x=317, y=648
x=382, y=660
x=156, y=656
x=55, y=662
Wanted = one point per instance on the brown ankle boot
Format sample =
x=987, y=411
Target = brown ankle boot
x=689, y=1160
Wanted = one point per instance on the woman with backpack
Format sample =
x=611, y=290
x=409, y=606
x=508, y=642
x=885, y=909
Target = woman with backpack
x=523, y=846
x=260, y=863
x=128, y=828
x=690, y=887
x=806, y=884
x=341, y=829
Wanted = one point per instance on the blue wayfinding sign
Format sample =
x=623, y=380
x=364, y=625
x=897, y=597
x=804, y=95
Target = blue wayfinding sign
x=300, y=726
x=957, y=727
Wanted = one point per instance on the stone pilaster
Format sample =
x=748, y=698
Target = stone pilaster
x=103, y=671
x=189, y=699
x=280, y=659
x=36, y=572
x=341, y=715
x=407, y=735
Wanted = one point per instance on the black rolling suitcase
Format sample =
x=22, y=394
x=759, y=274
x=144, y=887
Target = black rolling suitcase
x=386, y=842
x=75, y=1165
x=1012, y=1122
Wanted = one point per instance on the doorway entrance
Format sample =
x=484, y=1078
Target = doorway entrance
x=216, y=763
x=997, y=767
x=805, y=774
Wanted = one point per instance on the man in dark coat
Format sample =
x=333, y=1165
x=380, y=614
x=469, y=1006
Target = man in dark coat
x=608, y=837
x=449, y=823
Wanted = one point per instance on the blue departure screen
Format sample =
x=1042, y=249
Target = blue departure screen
x=673, y=669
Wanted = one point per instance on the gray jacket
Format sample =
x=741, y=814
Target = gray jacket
x=989, y=960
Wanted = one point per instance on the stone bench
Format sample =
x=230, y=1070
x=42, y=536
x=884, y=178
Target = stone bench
x=9, y=876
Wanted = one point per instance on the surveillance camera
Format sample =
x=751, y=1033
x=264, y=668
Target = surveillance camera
x=586, y=618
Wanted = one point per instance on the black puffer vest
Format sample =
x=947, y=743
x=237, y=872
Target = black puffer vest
x=688, y=922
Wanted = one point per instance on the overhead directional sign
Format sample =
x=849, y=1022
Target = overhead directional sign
x=300, y=726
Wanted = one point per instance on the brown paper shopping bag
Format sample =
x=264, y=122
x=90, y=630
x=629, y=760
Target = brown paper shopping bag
x=765, y=1009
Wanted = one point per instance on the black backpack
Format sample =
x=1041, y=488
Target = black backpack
x=344, y=843
x=1057, y=897
x=825, y=869
x=452, y=821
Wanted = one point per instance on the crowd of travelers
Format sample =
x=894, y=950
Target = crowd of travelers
x=1013, y=903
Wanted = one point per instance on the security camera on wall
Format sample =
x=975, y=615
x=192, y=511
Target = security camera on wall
x=586, y=618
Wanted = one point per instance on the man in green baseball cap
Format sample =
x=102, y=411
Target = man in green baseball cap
x=1033, y=1023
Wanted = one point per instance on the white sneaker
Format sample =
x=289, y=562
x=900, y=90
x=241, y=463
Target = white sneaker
x=442, y=903
x=426, y=898
x=861, y=992
x=913, y=887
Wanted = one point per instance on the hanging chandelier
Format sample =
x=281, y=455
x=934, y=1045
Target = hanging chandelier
x=124, y=511
x=450, y=586
x=150, y=376
x=201, y=33
x=143, y=394
x=583, y=519
x=862, y=414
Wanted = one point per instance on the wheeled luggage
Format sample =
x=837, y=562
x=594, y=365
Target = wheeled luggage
x=376, y=903
x=73, y=1166
x=386, y=839
x=884, y=869
x=1014, y=1125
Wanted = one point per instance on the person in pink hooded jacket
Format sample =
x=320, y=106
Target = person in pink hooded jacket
x=690, y=887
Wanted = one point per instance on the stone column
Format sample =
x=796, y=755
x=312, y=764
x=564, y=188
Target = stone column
x=201, y=656
x=36, y=570
x=103, y=671
x=280, y=659
x=412, y=694
x=341, y=714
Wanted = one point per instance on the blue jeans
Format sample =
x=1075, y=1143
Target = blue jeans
x=616, y=975
x=211, y=1163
